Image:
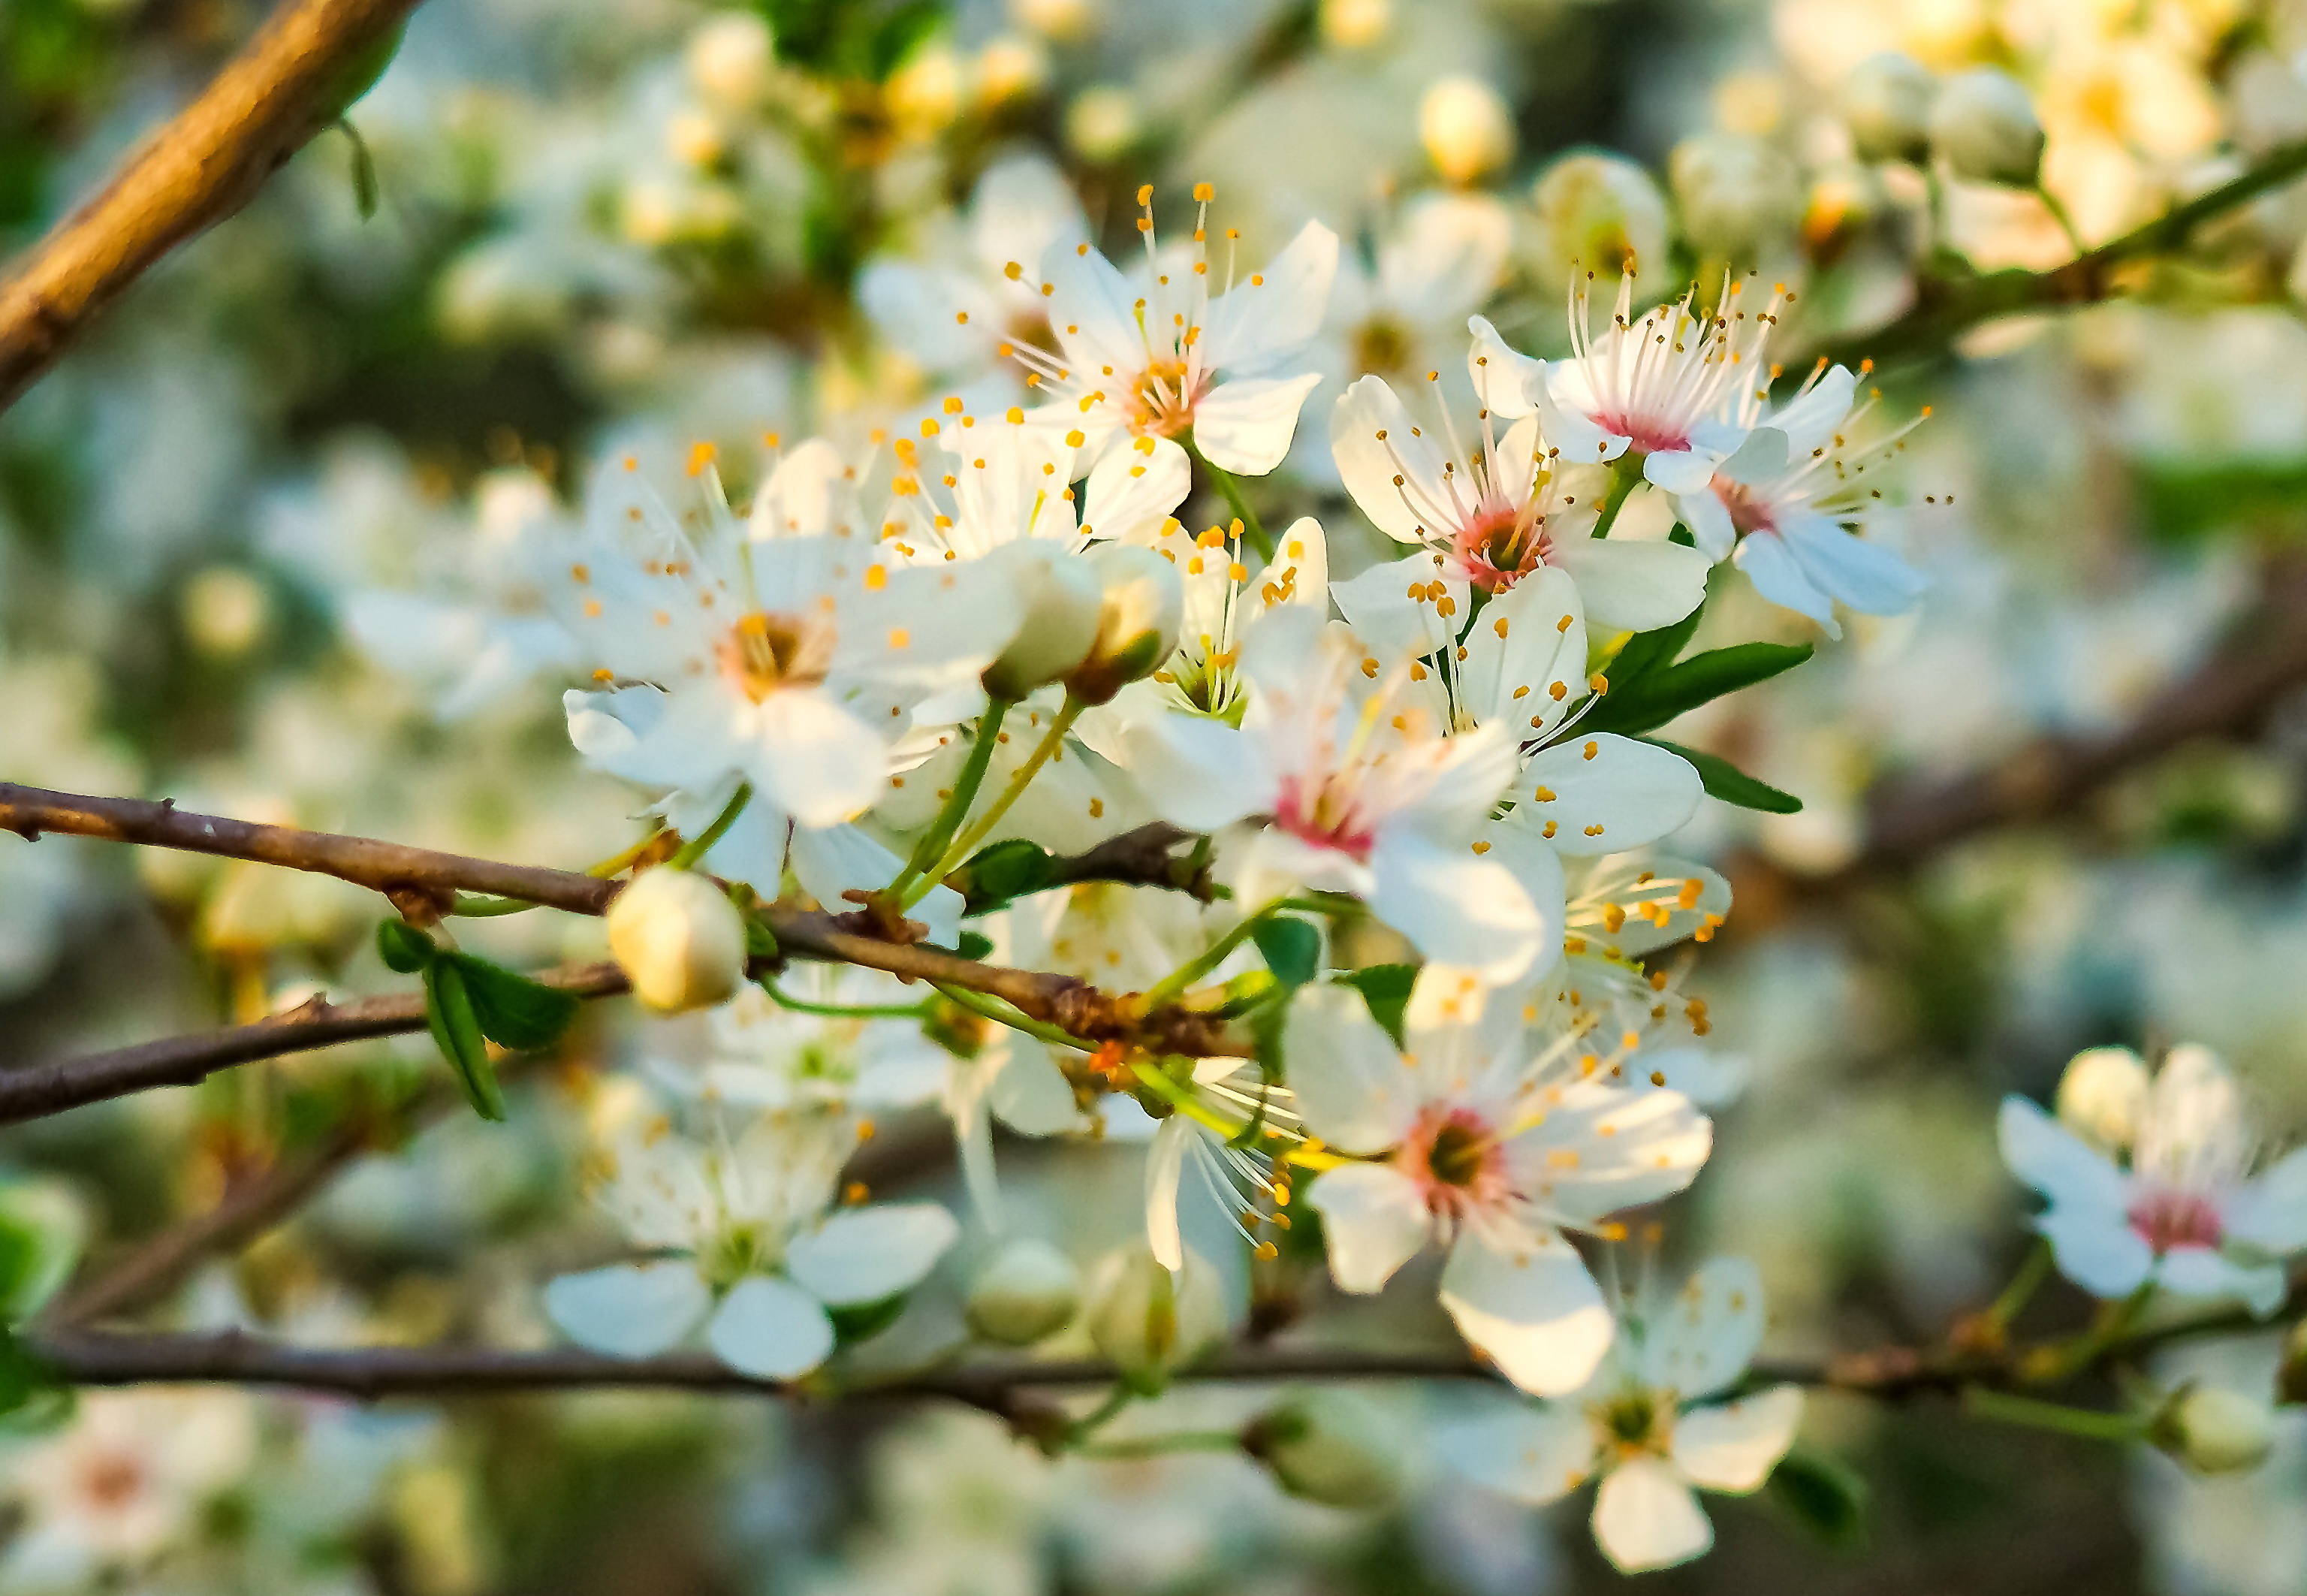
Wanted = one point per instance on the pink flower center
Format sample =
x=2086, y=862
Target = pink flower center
x=765, y=652
x=1495, y=550
x=1651, y=435
x=1329, y=815
x=111, y=1480
x=1162, y=402
x=1748, y=513
x=1454, y=1158
x=2165, y=1219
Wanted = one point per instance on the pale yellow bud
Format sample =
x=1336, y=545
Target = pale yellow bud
x=1065, y=20
x=1738, y=195
x=1063, y=603
x=925, y=94
x=1011, y=68
x=1027, y=1291
x=1148, y=1322
x=1983, y=126
x=1598, y=213
x=679, y=941
x=226, y=612
x=2101, y=1095
x=1355, y=24
x=2214, y=1430
x=729, y=59
x=1328, y=1445
x=1141, y=607
x=1466, y=128
x=1102, y=123
x=1886, y=101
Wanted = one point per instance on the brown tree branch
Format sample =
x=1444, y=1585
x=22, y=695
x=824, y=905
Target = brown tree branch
x=289, y=81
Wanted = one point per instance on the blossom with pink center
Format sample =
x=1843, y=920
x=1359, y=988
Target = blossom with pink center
x=1788, y=507
x=1485, y=511
x=2184, y=1211
x=1339, y=778
x=1468, y=1137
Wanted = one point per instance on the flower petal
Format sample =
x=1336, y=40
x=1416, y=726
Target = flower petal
x=1456, y=908
x=1534, y=1455
x=2272, y=1210
x=770, y=1329
x=1374, y=1220
x=1734, y=1447
x=2055, y=1161
x=1531, y=1306
x=1702, y=1340
x=1350, y=1086
x=1606, y=793
x=1777, y=577
x=629, y=1311
x=1632, y=585
x=1165, y=1165
x=863, y=1255
x=1245, y=425
x=1645, y=1517
x=814, y=759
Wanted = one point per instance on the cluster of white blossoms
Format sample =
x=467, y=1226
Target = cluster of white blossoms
x=995, y=632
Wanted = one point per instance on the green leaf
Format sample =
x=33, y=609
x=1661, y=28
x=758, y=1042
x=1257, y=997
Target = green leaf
x=1726, y=781
x=1385, y=988
x=1649, y=651
x=24, y=1377
x=512, y=1011
x=42, y=1230
x=456, y=1032
x=1662, y=694
x=998, y=876
x=1822, y=1494
x=364, y=172
x=905, y=30
x=973, y=945
x=761, y=942
x=404, y=947
x=1292, y=949
x=853, y=1321
x=1668, y=690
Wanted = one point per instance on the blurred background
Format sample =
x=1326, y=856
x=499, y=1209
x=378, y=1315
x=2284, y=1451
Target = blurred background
x=251, y=529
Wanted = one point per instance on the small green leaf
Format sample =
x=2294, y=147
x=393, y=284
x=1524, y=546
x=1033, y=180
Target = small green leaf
x=1822, y=1494
x=24, y=1377
x=1385, y=988
x=998, y=876
x=973, y=945
x=1662, y=694
x=364, y=172
x=1649, y=651
x=41, y=1232
x=761, y=942
x=403, y=946
x=512, y=1011
x=853, y=1321
x=1726, y=781
x=1292, y=949
x=456, y=1032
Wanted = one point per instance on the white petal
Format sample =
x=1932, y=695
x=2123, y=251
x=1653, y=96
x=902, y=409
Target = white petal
x=2201, y=1272
x=1507, y=382
x=1350, y=1086
x=1865, y=576
x=629, y=1311
x=1606, y=793
x=1603, y=1149
x=1758, y=457
x=1255, y=324
x=815, y=760
x=1391, y=610
x=1455, y=906
x=1702, y=1340
x=1709, y=523
x=1777, y=577
x=1633, y=586
x=1197, y=773
x=1531, y=1307
x=863, y=1255
x=1245, y=425
x=2055, y=1161
x=1735, y=1447
x=1809, y=422
x=1538, y=868
x=1030, y=1095
x=1089, y=308
x=1525, y=667
x=1374, y=1220
x=2097, y=1249
x=1165, y=1164
x=1447, y=257
x=1680, y=470
x=1645, y=1517
x=1369, y=463
x=2272, y=1210
x=1134, y=487
x=770, y=1329
x=1534, y=1455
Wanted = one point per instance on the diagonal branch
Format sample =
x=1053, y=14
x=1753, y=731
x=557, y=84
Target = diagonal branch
x=292, y=79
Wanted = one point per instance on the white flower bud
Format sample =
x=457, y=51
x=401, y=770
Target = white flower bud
x=729, y=59
x=2101, y=1095
x=1328, y=1445
x=1026, y=1291
x=1141, y=609
x=1986, y=128
x=678, y=938
x=1102, y=123
x=1065, y=20
x=1011, y=68
x=1737, y=195
x=1063, y=602
x=1354, y=24
x=924, y=95
x=1466, y=128
x=1150, y=1322
x=2214, y=1430
x=1886, y=100
x=1598, y=213
x=226, y=612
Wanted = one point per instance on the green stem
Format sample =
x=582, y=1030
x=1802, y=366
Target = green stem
x=480, y=907
x=1089, y=1423
x=966, y=844
x=1183, y=1440
x=1170, y=986
x=987, y=1007
x=1252, y=528
x=2023, y=1287
x=844, y=1010
x=933, y=841
x=1982, y=1403
x=696, y=847
x=616, y=865
x=1624, y=472
x=2059, y=214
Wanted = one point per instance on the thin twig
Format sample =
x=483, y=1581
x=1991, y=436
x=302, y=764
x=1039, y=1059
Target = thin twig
x=291, y=80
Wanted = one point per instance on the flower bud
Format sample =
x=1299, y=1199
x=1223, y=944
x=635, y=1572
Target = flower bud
x=2101, y=1095
x=1150, y=1322
x=1598, y=213
x=1141, y=609
x=1738, y=194
x=1103, y=122
x=678, y=938
x=1466, y=129
x=1026, y=1291
x=1986, y=128
x=1886, y=101
x=1063, y=602
x=226, y=612
x=729, y=59
x=1068, y=22
x=1330, y=1446
x=1353, y=25
x=2214, y=1430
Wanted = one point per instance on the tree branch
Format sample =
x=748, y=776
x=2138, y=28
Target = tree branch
x=1945, y=309
x=292, y=79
